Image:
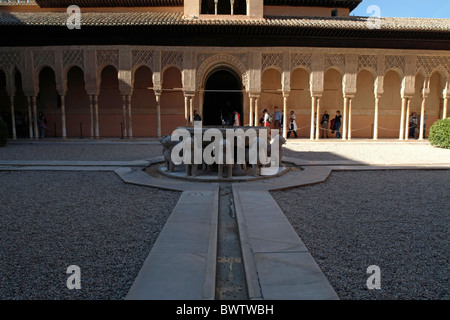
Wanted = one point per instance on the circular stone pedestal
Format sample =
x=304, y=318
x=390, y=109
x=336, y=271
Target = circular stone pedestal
x=212, y=175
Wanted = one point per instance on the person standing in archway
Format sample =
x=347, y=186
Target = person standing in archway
x=337, y=124
x=266, y=118
x=324, y=124
x=292, y=125
x=277, y=118
x=237, y=119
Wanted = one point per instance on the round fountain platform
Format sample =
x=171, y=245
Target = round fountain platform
x=160, y=170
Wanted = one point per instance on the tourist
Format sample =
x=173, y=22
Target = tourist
x=337, y=124
x=412, y=125
x=237, y=119
x=197, y=116
x=42, y=125
x=324, y=124
x=276, y=118
x=266, y=118
x=292, y=125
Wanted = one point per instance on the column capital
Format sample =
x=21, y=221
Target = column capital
x=425, y=92
x=189, y=94
x=253, y=94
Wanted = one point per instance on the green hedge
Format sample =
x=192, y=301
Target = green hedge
x=3, y=132
x=440, y=133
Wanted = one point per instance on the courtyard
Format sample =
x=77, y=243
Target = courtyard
x=385, y=203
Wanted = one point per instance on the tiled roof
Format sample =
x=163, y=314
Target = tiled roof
x=176, y=19
x=17, y=3
x=108, y=3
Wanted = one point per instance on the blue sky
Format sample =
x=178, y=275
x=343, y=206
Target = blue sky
x=406, y=8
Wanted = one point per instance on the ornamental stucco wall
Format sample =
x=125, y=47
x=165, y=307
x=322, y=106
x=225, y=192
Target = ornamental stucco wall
x=141, y=86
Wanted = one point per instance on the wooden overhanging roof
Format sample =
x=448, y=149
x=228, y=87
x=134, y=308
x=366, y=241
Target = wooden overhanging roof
x=170, y=28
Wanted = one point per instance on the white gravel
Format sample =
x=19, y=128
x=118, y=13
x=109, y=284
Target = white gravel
x=368, y=152
x=51, y=220
x=397, y=220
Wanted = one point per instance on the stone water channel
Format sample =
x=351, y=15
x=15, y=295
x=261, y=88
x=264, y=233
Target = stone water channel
x=230, y=275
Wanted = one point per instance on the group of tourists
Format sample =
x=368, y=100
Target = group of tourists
x=325, y=124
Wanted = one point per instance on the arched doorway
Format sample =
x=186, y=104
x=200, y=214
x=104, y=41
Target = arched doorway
x=223, y=96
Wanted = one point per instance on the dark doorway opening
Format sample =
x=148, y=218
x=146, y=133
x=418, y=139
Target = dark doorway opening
x=223, y=96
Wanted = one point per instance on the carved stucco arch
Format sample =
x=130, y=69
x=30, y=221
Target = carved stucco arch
x=66, y=70
x=221, y=60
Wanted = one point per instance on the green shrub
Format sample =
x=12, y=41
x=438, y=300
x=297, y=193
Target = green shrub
x=440, y=133
x=3, y=132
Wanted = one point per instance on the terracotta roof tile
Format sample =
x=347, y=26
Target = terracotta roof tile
x=176, y=18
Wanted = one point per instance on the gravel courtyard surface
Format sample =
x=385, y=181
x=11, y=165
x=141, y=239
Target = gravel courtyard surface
x=51, y=220
x=80, y=151
x=397, y=220
x=368, y=152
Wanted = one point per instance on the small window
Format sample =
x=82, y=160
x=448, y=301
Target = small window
x=223, y=7
x=334, y=12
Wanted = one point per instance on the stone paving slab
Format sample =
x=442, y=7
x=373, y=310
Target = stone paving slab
x=277, y=263
x=182, y=262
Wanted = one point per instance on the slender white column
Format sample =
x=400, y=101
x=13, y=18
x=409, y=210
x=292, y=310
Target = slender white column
x=13, y=119
x=30, y=119
x=200, y=103
x=191, y=110
x=124, y=116
x=318, y=122
x=407, y=119
x=444, y=110
x=375, y=118
x=250, y=114
x=186, y=106
x=344, y=120
x=311, y=131
x=285, y=115
x=422, y=116
x=402, y=119
x=130, y=118
x=91, y=111
x=35, y=124
x=63, y=117
x=158, y=114
x=97, y=129
x=349, y=131
x=256, y=122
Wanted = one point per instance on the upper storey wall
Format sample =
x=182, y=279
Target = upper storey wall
x=289, y=11
x=207, y=9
